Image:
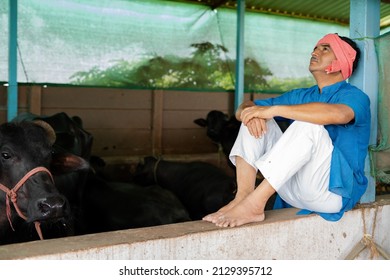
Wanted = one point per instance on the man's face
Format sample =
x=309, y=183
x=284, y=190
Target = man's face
x=321, y=57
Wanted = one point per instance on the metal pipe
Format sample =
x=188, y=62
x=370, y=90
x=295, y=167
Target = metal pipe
x=12, y=101
x=365, y=26
x=239, y=88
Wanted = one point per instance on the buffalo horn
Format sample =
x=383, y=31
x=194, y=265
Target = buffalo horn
x=49, y=130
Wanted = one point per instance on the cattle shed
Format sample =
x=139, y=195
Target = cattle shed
x=129, y=121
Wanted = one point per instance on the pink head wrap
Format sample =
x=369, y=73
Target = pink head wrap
x=345, y=55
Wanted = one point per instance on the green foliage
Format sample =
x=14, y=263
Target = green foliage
x=255, y=76
x=206, y=69
x=283, y=85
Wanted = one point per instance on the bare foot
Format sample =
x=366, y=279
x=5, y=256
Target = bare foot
x=245, y=209
x=249, y=210
x=213, y=217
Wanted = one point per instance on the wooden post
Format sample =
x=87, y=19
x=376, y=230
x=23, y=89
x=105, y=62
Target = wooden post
x=35, y=100
x=157, y=121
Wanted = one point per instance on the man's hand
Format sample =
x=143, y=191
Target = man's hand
x=261, y=112
x=255, y=118
x=257, y=127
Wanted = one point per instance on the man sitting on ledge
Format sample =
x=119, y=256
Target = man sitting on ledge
x=317, y=165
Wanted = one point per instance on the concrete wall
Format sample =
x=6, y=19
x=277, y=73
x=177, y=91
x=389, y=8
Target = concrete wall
x=283, y=235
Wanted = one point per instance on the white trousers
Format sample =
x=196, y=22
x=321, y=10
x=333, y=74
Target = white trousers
x=296, y=163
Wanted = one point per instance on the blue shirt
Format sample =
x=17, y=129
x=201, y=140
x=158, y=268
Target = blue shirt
x=350, y=141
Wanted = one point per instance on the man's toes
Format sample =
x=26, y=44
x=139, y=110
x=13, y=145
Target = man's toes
x=207, y=218
x=211, y=217
x=223, y=222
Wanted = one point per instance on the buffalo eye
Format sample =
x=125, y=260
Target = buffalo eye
x=5, y=155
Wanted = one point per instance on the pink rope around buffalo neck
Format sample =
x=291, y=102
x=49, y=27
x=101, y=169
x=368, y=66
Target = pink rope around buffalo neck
x=11, y=194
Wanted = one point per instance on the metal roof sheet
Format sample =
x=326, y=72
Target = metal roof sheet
x=335, y=11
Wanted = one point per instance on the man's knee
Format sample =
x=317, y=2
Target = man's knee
x=305, y=126
x=306, y=129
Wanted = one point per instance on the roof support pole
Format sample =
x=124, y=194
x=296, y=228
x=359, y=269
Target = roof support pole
x=365, y=26
x=239, y=88
x=12, y=95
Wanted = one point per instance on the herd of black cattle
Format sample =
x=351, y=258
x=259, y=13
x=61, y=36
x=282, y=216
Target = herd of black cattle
x=51, y=186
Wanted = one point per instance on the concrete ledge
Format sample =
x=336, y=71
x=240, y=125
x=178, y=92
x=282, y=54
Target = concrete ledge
x=283, y=235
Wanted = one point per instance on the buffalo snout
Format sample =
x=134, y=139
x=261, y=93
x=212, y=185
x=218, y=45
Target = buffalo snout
x=51, y=207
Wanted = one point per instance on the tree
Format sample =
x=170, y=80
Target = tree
x=208, y=68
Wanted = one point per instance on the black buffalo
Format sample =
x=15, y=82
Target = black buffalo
x=97, y=203
x=28, y=193
x=112, y=206
x=202, y=187
x=71, y=137
x=221, y=129
x=72, y=147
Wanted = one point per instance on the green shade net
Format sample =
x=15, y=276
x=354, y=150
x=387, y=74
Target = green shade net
x=380, y=153
x=157, y=44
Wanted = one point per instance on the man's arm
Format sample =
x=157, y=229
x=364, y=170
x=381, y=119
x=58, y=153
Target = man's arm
x=242, y=106
x=317, y=113
x=254, y=117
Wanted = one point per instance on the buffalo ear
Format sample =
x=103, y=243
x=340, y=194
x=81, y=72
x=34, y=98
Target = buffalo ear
x=201, y=122
x=51, y=135
x=66, y=163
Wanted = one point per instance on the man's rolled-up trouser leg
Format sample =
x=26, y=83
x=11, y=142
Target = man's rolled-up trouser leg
x=251, y=148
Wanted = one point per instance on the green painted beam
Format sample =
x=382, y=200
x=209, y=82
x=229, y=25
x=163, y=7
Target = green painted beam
x=365, y=26
x=239, y=87
x=12, y=94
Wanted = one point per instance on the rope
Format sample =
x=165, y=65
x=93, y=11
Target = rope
x=367, y=241
x=155, y=170
x=11, y=194
x=221, y=154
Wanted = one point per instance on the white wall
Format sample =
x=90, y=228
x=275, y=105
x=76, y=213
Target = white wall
x=283, y=235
